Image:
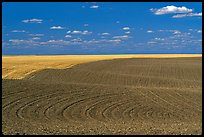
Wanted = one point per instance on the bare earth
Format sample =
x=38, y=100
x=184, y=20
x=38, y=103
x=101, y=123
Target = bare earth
x=102, y=94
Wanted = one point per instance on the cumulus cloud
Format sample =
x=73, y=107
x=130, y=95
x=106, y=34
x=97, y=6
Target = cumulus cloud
x=55, y=42
x=121, y=37
x=85, y=32
x=187, y=15
x=37, y=35
x=199, y=31
x=56, y=27
x=170, y=9
x=76, y=40
x=32, y=21
x=126, y=28
x=18, y=31
x=149, y=31
x=128, y=32
x=115, y=41
x=94, y=7
x=68, y=36
x=93, y=41
x=151, y=42
x=105, y=34
x=35, y=38
x=176, y=32
x=21, y=42
x=15, y=40
x=172, y=31
x=162, y=39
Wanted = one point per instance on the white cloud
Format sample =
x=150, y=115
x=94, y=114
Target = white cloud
x=56, y=27
x=121, y=37
x=86, y=25
x=56, y=42
x=151, y=42
x=21, y=42
x=85, y=32
x=115, y=41
x=187, y=15
x=35, y=38
x=159, y=39
x=171, y=9
x=68, y=36
x=167, y=43
x=93, y=41
x=126, y=28
x=176, y=32
x=199, y=31
x=32, y=21
x=105, y=34
x=161, y=30
x=128, y=32
x=94, y=7
x=173, y=31
x=15, y=40
x=18, y=31
x=37, y=35
x=69, y=31
x=76, y=32
x=76, y=40
x=149, y=31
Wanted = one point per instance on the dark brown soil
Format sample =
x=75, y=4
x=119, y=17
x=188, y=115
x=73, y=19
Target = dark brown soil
x=121, y=96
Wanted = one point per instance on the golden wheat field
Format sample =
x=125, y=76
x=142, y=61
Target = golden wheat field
x=102, y=94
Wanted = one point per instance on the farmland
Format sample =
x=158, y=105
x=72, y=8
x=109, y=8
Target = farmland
x=109, y=94
x=17, y=67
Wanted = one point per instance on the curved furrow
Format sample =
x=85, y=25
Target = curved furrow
x=127, y=113
x=60, y=105
x=182, y=102
x=69, y=110
x=181, y=112
x=152, y=104
x=91, y=104
x=118, y=111
x=31, y=112
x=184, y=111
x=187, y=99
x=53, y=109
x=140, y=96
x=21, y=111
x=107, y=112
x=93, y=110
x=13, y=109
x=12, y=94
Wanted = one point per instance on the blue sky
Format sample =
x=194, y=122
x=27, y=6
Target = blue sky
x=101, y=27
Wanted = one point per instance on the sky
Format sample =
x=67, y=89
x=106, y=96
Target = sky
x=41, y=28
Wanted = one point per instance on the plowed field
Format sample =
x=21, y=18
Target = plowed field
x=119, y=96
